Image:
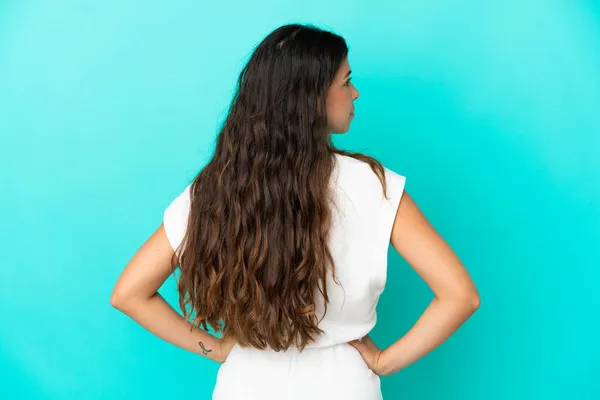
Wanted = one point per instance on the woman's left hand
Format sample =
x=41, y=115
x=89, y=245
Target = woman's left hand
x=370, y=353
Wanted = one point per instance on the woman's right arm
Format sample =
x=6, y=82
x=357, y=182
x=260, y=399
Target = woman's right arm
x=136, y=294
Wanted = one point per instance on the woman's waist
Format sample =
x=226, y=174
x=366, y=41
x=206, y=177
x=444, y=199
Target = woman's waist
x=314, y=353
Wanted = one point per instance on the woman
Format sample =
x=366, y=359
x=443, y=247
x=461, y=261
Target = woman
x=281, y=241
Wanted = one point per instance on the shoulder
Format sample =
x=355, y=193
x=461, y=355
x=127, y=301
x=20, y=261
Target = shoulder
x=175, y=216
x=361, y=173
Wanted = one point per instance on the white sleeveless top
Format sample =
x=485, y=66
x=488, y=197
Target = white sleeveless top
x=360, y=238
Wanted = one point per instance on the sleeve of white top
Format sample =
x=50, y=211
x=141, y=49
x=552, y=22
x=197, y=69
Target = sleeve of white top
x=175, y=218
x=395, y=188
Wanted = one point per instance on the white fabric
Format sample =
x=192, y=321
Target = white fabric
x=362, y=225
x=335, y=372
x=175, y=218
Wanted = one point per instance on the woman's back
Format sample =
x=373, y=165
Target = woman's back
x=361, y=226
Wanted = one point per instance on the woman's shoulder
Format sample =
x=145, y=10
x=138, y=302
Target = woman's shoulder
x=360, y=166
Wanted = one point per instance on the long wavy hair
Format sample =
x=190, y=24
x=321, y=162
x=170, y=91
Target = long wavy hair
x=255, y=254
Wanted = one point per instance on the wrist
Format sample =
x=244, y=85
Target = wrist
x=385, y=363
x=209, y=346
x=219, y=351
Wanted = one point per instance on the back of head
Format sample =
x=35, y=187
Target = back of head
x=282, y=88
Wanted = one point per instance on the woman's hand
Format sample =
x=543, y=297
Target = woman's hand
x=224, y=348
x=370, y=353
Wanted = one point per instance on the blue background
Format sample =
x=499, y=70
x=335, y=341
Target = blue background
x=490, y=109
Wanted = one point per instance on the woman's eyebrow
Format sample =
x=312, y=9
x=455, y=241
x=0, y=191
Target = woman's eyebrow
x=349, y=72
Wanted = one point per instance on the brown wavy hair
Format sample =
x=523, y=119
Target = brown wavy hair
x=255, y=252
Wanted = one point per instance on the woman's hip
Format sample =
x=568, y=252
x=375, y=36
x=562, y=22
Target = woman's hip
x=333, y=372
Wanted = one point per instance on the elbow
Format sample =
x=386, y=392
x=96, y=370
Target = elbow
x=115, y=301
x=471, y=299
x=118, y=301
x=464, y=300
x=127, y=301
x=474, y=302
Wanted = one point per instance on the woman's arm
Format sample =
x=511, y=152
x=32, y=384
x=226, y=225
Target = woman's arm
x=456, y=297
x=136, y=294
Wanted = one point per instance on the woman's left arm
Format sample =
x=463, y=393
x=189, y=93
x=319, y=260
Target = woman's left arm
x=456, y=297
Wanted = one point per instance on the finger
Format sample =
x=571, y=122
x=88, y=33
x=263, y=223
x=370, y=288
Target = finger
x=369, y=342
x=358, y=346
x=360, y=340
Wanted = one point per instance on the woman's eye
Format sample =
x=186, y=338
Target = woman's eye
x=348, y=81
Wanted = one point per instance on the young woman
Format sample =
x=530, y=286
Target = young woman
x=281, y=241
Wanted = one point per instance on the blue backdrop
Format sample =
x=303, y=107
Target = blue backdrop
x=490, y=109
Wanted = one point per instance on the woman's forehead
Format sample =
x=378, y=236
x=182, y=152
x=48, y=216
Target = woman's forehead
x=344, y=69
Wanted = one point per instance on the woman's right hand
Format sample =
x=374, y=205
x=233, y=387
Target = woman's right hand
x=225, y=346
